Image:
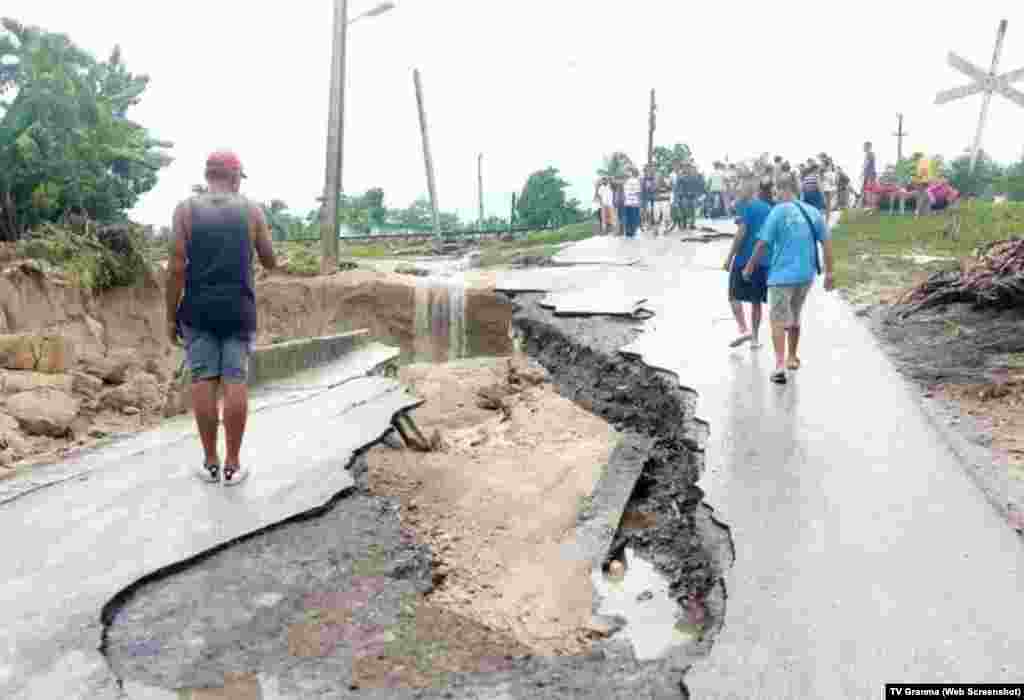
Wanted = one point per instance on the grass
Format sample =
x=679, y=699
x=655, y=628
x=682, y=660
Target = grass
x=874, y=252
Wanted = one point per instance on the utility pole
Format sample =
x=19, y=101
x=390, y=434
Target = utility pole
x=900, y=133
x=480, y=183
x=650, y=130
x=426, y=157
x=335, y=144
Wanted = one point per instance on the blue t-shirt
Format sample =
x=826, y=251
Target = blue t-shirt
x=792, y=243
x=753, y=215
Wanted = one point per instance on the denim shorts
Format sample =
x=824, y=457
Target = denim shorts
x=210, y=356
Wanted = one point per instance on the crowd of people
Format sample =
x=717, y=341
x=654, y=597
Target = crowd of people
x=927, y=189
x=632, y=202
x=782, y=214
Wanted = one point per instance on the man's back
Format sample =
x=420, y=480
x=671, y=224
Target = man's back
x=219, y=295
x=792, y=242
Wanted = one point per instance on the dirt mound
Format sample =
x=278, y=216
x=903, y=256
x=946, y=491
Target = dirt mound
x=498, y=503
x=99, y=361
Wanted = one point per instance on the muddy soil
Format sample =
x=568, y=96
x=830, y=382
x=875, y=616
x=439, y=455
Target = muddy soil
x=121, y=377
x=499, y=501
x=969, y=366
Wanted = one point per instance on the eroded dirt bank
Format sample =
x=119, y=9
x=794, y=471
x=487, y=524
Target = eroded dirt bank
x=77, y=366
x=666, y=520
x=499, y=500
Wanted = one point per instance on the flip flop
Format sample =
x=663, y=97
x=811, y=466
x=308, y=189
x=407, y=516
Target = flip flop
x=234, y=474
x=209, y=473
x=779, y=377
x=794, y=363
x=742, y=339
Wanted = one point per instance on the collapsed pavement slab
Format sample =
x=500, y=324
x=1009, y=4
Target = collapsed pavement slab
x=100, y=523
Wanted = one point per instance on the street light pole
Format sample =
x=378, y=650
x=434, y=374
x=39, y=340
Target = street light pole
x=336, y=134
x=335, y=144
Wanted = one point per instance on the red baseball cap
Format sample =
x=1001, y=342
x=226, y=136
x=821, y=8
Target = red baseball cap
x=225, y=160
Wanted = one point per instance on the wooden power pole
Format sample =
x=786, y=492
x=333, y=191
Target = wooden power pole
x=480, y=185
x=426, y=156
x=335, y=144
x=900, y=133
x=650, y=130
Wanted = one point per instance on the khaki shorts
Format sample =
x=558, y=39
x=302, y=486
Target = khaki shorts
x=786, y=303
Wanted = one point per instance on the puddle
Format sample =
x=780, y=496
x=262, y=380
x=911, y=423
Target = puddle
x=654, y=621
x=236, y=687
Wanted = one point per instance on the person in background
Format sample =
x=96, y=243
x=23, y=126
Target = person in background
x=751, y=290
x=619, y=200
x=689, y=188
x=869, y=175
x=828, y=188
x=678, y=173
x=633, y=191
x=662, y=205
x=842, y=188
x=714, y=204
x=790, y=237
x=811, y=187
x=649, y=191
x=606, y=200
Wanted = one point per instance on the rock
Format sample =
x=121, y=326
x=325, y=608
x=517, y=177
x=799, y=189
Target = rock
x=43, y=411
x=131, y=411
x=19, y=381
x=12, y=443
x=410, y=270
x=86, y=384
x=80, y=426
x=645, y=596
x=51, y=354
x=112, y=369
x=3, y=323
x=142, y=391
x=616, y=569
x=604, y=625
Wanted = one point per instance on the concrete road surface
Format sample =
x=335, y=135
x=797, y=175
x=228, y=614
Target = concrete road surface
x=864, y=554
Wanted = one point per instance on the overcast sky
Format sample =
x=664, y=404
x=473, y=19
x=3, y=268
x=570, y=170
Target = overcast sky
x=535, y=83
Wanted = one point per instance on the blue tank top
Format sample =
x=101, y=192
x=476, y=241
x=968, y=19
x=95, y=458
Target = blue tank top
x=220, y=296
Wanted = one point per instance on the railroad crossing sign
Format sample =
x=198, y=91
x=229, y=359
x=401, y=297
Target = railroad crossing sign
x=986, y=82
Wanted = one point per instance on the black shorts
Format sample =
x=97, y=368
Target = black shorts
x=755, y=291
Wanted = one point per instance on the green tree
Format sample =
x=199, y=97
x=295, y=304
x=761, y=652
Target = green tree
x=543, y=200
x=665, y=158
x=615, y=165
x=1012, y=182
x=980, y=182
x=66, y=144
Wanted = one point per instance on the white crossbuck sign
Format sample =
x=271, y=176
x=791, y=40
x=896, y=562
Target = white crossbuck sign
x=986, y=82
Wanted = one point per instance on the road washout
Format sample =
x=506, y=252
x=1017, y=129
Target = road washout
x=499, y=501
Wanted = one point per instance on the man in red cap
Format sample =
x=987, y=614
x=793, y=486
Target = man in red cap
x=211, y=305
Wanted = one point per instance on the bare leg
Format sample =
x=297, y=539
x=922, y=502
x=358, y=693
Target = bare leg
x=204, y=406
x=793, y=335
x=236, y=412
x=755, y=321
x=779, y=343
x=737, y=312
